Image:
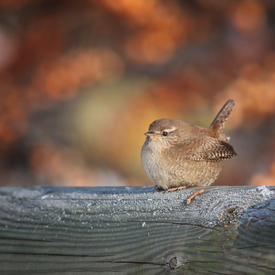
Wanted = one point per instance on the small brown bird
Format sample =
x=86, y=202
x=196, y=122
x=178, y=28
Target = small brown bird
x=178, y=155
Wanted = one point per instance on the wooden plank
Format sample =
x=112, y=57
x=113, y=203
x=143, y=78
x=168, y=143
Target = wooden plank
x=49, y=230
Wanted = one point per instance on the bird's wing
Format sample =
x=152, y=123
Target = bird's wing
x=203, y=148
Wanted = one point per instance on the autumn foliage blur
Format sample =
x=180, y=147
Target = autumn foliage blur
x=80, y=81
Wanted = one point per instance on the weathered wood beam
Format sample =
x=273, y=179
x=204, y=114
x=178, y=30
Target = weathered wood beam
x=49, y=230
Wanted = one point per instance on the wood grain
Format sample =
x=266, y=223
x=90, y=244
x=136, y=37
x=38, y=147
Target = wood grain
x=225, y=230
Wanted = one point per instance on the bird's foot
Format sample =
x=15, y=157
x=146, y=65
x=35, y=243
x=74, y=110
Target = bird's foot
x=194, y=195
x=175, y=189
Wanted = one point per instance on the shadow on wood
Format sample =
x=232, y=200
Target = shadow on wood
x=225, y=230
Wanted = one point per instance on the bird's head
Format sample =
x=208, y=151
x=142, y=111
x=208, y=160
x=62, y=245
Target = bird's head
x=165, y=132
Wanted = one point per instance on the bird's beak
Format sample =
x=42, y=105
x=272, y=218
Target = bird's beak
x=150, y=133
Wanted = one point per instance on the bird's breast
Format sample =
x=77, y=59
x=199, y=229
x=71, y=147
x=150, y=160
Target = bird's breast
x=150, y=159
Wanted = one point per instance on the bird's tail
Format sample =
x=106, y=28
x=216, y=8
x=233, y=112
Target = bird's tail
x=218, y=123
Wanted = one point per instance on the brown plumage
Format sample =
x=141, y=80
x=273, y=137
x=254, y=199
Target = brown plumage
x=177, y=154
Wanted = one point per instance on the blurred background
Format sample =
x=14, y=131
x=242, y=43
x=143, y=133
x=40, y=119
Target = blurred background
x=80, y=82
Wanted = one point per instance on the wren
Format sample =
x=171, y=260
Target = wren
x=177, y=155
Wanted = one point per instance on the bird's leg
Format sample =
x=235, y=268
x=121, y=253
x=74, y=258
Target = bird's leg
x=176, y=189
x=194, y=195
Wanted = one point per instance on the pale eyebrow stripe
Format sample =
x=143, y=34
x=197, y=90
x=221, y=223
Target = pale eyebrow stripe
x=171, y=129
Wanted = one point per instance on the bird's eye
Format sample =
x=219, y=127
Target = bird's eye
x=165, y=134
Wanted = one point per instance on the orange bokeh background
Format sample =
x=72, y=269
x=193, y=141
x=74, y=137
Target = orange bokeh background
x=80, y=82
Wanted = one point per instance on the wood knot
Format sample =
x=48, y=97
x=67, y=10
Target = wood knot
x=175, y=261
x=230, y=215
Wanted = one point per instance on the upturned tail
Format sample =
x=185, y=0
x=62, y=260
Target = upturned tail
x=218, y=123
